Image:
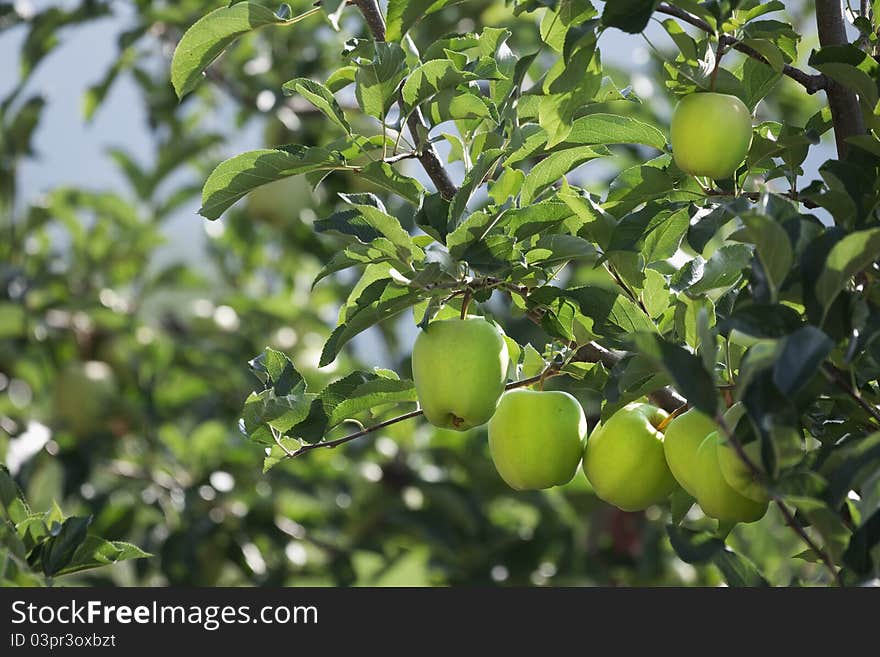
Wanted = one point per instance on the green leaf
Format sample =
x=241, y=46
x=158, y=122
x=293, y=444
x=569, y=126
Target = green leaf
x=319, y=96
x=848, y=257
x=554, y=249
x=614, y=129
x=429, y=79
x=379, y=301
x=852, y=68
x=381, y=69
x=700, y=547
x=772, y=246
x=211, y=34
x=277, y=371
x=858, y=554
x=364, y=391
x=95, y=552
x=602, y=311
x=238, y=175
x=629, y=15
x=403, y=14
x=387, y=178
x=472, y=181
x=553, y=167
x=685, y=368
x=57, y=552
x=801, y=354
x=724, y=269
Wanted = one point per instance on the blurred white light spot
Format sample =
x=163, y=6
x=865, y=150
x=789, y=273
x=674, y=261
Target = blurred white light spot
x=538, y=579
x=264, y=489
x=253, y=558
x=145, y=335
x=640, y=56
x=653, y=513
x=16, y=288
x=8, y=424
x=96, y=370
x=526, y=533
x=217, y=515
x=431, y=473
x=31, y=246
x=150, y=494
x=854, y=496
x=643, y=86
x=19, y=393
x=52, y=448
x=226, y=318
x=214, y=229
x=178, y=499
x=238, y=508
x=40, y=333
x=288, y=117
x=202, y=308
x=343, y=500
x=547, y=569
x=465, y=25
x=265, y=100
x=23, y=447
x=25, y=9
x=285, y=337
x=685, y=571
x=290, y=527
x=296, y=553
x=258, y=65
x=57, y=318
x=207, y=493
x=81, y=322
x=413, y=498
x=371, y=471
x=308, y=216
x=222, y=481
x=386, y=447
x=499, y=573
x=87, y=491
x=4, y=381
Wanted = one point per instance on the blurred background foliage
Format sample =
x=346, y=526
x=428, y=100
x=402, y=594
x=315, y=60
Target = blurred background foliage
x=126, y=324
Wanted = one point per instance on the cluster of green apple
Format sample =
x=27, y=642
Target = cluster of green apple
x=537, y=438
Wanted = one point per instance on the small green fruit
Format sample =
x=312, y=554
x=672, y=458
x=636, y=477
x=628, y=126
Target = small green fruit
x=716, y=497
x=682, y=438
x=459, y=370
x=711, y=134
x=624, y=458
x=740, y=476
x=536, y=438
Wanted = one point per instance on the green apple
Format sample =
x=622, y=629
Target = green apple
x=459, y=370
x=715, y=496
x=711, y=134
x=682, y=438
x=83, y=395
x=536, y=438
x=740, y=476
x=624, y=458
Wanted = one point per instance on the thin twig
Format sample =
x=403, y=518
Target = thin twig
x=548, y=372
x=756, y=196
x=790, y=520
x=428, y=155
x=812, y=83
x=836, y=377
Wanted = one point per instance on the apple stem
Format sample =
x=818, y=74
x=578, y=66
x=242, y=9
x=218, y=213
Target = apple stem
x=465, y=303
x=669, y=418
